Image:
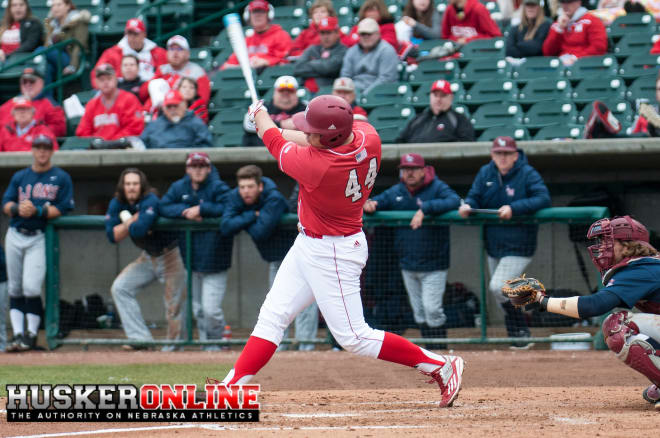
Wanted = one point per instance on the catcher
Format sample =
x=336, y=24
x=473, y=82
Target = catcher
x=630, y=269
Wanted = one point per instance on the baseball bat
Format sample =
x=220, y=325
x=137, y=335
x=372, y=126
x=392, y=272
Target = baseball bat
x=237, y=39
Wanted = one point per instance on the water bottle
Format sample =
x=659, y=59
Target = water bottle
x=226, y=335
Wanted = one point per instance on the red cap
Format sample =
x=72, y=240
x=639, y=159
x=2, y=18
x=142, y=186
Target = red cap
x=198, y=158
x=21, y=102
x=504, y=144
x=412, y=160
x=136, y=25
x=441, y=85
x=328, y=23
x=258, y=5
x=173, y=97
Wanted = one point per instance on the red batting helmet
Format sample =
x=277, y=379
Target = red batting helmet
x=606, y=230
x=330, y=116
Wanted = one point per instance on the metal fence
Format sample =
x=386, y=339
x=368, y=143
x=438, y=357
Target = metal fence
x=472, y=312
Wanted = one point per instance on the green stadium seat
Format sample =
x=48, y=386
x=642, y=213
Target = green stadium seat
x=544, y=114
x=496, y=114
x=541, y=90
x=202, y=56
x=290, y=12
x=491, y=5
x=229, y=139
x=395, y=115
x=591, y=89
x=269, y=75
x=420, y=98
x=490, y=48
x=488, y=91
x=592, y=67
x=425, y=46
x=640, y=65
x=432, y=70
x=517, y=133
x=75, y=143
x=220, y=58
x=558, y=132
x=71, y=125
x=9, y=77
x=232, y=97
x=388, y=134
x=633, y=44
x=293, y=25
x=231, y=78
x=631, y=23
x=462, y=109
x=480, y=69
x=227, y=120
x=641, y=89
x=387, y=94
x=537, y=67
x=620, y=108
x=221, y=42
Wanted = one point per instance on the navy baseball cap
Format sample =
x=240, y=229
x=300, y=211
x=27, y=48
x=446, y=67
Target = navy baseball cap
x=43, y=141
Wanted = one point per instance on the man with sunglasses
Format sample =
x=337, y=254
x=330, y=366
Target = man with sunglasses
x=176, y=127
x=372, y=61
x=46, y=110
x=134, y=42
x=281, y=108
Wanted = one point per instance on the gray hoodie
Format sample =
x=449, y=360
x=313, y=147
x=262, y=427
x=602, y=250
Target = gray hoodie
x=368, y=69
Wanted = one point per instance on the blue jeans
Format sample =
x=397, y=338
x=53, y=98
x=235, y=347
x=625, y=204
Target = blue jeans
x=51, y=63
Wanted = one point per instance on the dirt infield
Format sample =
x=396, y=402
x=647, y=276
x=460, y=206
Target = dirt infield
x=563, y=393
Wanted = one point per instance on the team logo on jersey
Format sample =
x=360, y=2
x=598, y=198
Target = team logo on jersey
x=399, y=198
x=361, y=155
x=186, y=196
x=150, y=210
x=38, y=191
x=356, y=244
x=106, y=119
x=332, y=126
x=440, y=127
x=489, y=183
x=610, y=283
x=53, y=178
x=510, y=191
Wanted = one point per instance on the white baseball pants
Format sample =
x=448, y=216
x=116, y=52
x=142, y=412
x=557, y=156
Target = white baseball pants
x=425, y=292
x=26, y=263
x=326, y=270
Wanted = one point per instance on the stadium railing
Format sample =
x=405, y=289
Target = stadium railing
x=566, y=216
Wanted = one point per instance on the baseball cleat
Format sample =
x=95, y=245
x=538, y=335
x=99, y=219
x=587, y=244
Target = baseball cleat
x=15, y=343
x=28, y=342
x=449, y=377
x=652, y=395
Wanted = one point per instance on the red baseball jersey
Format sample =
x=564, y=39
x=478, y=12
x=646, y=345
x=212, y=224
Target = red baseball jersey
x=334, y=183
x=122, y=119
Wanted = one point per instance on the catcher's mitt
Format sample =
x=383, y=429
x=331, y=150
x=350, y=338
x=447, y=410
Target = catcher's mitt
x=523, y=291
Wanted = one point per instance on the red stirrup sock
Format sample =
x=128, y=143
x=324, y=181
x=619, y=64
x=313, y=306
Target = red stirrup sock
x=256, y=353
x=400, y=350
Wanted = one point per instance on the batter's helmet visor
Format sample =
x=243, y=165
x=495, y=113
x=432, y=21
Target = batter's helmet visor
x=330, y=116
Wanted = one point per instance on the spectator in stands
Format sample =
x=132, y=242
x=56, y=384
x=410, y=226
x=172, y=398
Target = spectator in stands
x=130, y=75
x=511, y=11
x=46, y=109
x=256, y=206
x=575, y=34
x=319, y=10
x=134, y=42
x=113, y=113
x=648, y=121
x=421, y=21
x=198, y=195
x=467, y=20
x=514, y=188
x=345, y=88
x=439, y=122
x=188, y=89
x=284, y=105
x=376, y=10
x=20, y=32
x=4, y=300
x=526, y=39
x=65, y=22
x=132, y=213
x=321, y=63
x=423, y=250
x=18, y=134
x=176, y=127
x=269, y=44
x=371, y=62
x=178, y=66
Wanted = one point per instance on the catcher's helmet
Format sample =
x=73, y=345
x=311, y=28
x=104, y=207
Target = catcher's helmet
x=606, y=230
x=330, y=116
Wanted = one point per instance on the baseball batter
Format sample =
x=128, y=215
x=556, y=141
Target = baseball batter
x=630, y=269
x=335, y=161
x=35, y=195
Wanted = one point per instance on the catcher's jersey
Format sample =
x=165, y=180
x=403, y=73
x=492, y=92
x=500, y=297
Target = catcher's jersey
x=334, y=183
x=638, y=284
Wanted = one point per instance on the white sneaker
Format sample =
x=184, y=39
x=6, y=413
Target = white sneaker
x=449, y=377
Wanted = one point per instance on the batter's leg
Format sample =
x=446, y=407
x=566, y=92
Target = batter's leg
x=125, y=288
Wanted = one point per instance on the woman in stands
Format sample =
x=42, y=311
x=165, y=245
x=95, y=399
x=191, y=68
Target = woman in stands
x=422, y=18
x=467, y=20
x=377, y=10
x=526, y=39
x=188, y=89
x=19, y=30
x=319, y=10
x=65, y=22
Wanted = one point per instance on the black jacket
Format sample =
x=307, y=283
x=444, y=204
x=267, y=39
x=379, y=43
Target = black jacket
x=517, y=47
x=321, y=64
x=445, y=127
x=32, y=35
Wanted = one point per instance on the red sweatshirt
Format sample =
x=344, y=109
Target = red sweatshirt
x=585, y=35
x=124, y=118
x=150, y=57
x=45, y=111
x=167, y=72
x=475, y=24
x=656, y=48
x=272, y=45
x=10, y=141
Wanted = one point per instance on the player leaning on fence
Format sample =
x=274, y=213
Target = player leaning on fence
x=198, y=195
x=35, y=195
x=511, y=186
x=132, y=213
x=423, y=251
